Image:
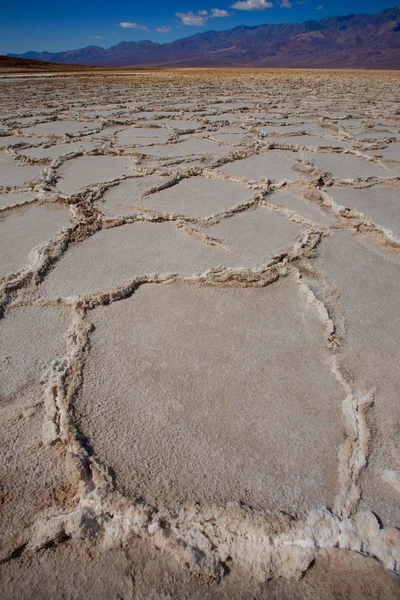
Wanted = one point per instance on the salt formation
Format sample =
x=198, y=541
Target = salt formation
x=199, y=335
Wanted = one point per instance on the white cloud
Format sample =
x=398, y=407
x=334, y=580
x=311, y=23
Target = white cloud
x=216, y=12
x=285, y=4
x=126, y=25
x=190, y=18
x=129, y=25
x=320, y=7
x=252, y=5
x=164, y=29
x=202, y=16
x=98, y=37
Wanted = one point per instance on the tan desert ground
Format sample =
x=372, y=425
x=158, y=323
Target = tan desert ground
x=200, y=335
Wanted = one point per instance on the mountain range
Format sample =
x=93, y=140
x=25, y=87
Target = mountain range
x=351, y=41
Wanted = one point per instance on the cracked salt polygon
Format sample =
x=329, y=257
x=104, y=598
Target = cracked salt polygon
x=256, y=235
x=392, y=152
x=24, y=228
x=80, y=172
x=118, y=200
x=32, y=474
x=198, y=197
x=13, y=173
x=11, y=140
x=114, y=256
x=347, y=166
x=274, y=165
x=62, y=127
x=367, y=278
x=380, y=203
x=202, y=406
x=307, y=140
x=289, y=129
x=13, y=198
x=291, y=199
x=180, y=124
x=142, y=135
x=57, y=150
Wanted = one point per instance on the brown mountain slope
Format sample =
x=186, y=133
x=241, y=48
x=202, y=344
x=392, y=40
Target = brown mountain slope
x=352, y=41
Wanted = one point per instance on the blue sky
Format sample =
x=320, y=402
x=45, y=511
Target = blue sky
x=67, y=24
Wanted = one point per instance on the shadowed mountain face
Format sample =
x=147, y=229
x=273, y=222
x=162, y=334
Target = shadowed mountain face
x=363, y=41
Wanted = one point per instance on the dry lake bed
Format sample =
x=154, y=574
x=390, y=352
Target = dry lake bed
x=200, y=335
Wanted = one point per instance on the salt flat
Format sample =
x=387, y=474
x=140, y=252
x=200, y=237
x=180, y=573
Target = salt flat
x=23, y=229
x=276, y=165
x=57, y=150
x=292, y=199
x=32, y=473
x=183, y=348
x=12, y=198
x=197, y=197
x=14, y=174
x=349, y=167
x=369, y=300
x=120, y=199
x=88, y=170
x=128, y=252
x=256, y=235
x=199, y=361
x=380, y=203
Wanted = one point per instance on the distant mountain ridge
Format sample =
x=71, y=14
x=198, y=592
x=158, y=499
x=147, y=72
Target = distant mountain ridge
x=351, y=41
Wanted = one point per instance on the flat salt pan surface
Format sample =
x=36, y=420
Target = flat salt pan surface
x=232, y=138
x=232, y=118
x=114, y=256
x=58, y=150
x=134, y=135
x=13, y=198
x=288, y=129
x=62, y=127
x=375, y=135
x=162, y=151
x=262, y=166
x=181, y=125
x=380, y=203
x=256, y=235
x=80, y=172
x=23, y=229
x=32, y=474
x=13, y=173
x=190, y=146
x=10, y=140
x=119, y=200
x=392, y=152
x=368, y=280
x=292, y=200
x=186, y=397
x=310, y=141
x=197, y=197
x=345, y=166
